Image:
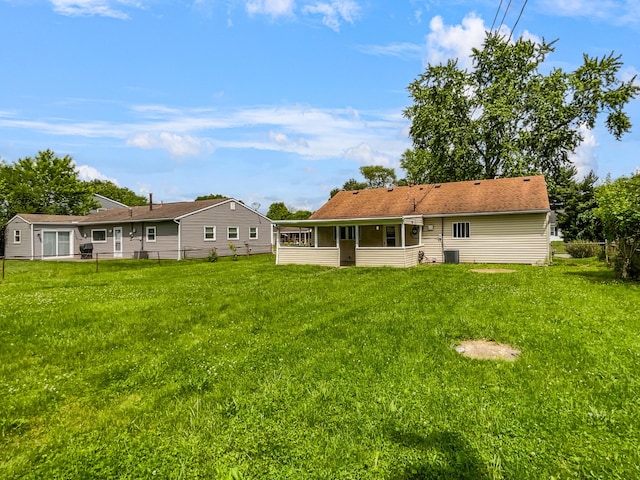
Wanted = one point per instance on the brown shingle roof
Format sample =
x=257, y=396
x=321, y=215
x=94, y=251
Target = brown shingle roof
x=127, y=214
x=485, y=196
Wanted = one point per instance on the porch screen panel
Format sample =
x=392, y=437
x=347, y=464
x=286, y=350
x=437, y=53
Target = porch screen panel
x=64, y=244
x=49, y=244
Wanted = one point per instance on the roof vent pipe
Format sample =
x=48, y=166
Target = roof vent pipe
x=150, y=201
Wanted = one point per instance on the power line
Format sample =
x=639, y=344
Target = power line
x=495, y=17
x=518, y=19
x=504, y=16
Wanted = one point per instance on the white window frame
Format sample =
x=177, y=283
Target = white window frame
x=253, y=233
x=232, y=205
x=17, y=237
x=460, y=230
x=93, y=240
x=155, y=234
x=204, y=233
x=229, y=237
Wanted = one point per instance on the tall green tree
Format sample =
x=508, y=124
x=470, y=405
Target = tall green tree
x=378, y=176
x=278, y=211
x=504, y=117
x=619, y=210
x=46, y=184
x=119, y=194
x=375, y=176
x=577, y=218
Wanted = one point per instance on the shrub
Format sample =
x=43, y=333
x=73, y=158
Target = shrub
x=234, y=250
x=583, y=249
x=213, y=255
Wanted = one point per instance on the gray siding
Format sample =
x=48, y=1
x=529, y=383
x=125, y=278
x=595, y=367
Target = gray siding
x=222, y=216
x=22, y=249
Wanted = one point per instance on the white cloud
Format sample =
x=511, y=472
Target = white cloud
x=404, y=50
x=445, y=42
x=273, y=8
x=102, y=8
x=614, y=11
x=585, y=157
x=628, y=73
x=334, y=13
x=366, y=155
x=88, y=173
x=177, y=145
x=313, y=133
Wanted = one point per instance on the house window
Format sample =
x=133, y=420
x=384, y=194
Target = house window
x=151, y=234
x=99, y=236
x=460, y=229
x=209, y=234
x=553, y=230
x=232, y=205
x=253, y=233
x=16, y=237
x=232, y=233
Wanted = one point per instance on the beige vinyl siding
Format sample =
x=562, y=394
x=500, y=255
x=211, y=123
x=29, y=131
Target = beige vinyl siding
x=387, y=257
x=517, y=238
x=431, y=244
x=222, y=216
x=325, y=256
x=22, y=249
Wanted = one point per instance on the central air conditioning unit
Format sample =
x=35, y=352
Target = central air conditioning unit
x=451, y=256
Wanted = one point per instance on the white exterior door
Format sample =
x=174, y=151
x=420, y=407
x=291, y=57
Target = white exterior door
x=117, y=242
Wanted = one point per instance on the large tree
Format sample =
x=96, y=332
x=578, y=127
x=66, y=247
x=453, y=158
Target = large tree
x=43, y=184
x=119, y=194
x=375, y=176
x=504, y=117
x=577, y=218
x=619, y=211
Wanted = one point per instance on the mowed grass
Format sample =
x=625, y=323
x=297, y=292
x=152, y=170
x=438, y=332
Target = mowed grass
x=250, y=370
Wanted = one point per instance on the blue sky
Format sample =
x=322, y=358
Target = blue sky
x=263, y=100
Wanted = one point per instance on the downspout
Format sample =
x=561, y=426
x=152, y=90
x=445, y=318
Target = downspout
x=179, y=238
x=442, y=236
x=277, y=238
x=33, y=252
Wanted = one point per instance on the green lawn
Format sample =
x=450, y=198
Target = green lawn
x=250, y=370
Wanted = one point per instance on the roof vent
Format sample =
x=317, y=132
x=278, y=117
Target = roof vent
x=390, y=189
x=421, y=188
x=476, y=183
x=355, y=192
x=526, y=179
x=437, y=185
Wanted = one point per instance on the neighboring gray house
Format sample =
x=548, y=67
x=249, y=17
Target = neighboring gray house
x=106, y=203
x=170, y=231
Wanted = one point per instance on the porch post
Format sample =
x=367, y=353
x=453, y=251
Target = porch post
x=402, y=234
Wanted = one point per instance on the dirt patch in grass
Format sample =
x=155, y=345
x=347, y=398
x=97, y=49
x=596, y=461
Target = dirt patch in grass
x=486, y=349
x=492, y=270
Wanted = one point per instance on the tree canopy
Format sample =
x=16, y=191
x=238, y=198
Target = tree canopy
x=211, y=196
x=119, y=194
x=504, y=117
x=375, y=176
x=619, y=210
x=44, y=184
x=279, y=211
